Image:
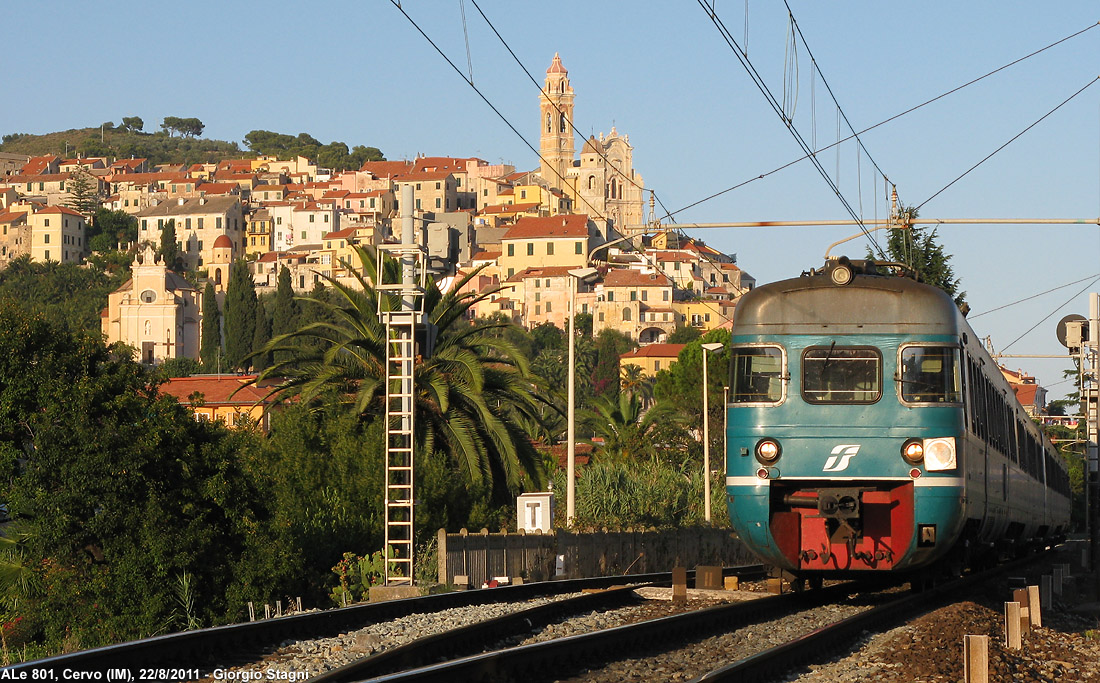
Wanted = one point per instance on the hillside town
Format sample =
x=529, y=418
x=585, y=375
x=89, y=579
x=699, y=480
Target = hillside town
x=522, y=231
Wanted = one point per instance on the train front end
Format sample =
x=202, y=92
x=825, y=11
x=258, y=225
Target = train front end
x=844, y=425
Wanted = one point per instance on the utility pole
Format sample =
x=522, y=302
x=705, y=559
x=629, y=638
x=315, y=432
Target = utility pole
x=1092, y=472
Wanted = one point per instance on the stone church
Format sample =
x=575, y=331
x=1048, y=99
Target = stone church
x=602, y=182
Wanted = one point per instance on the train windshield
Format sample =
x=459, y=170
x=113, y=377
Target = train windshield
x=841, y=374
x=756, y=374
x=930, y=374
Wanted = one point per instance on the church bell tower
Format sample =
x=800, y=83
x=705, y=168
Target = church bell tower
x=556, y=110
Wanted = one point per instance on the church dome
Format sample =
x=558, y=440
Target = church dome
x=591, y=146
x=223, y=242
x=556, y=66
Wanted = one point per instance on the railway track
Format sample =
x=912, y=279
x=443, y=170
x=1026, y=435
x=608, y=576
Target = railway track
x=193, y=654
x=698, y=643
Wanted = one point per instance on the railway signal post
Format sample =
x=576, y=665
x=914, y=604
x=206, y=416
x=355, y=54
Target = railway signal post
x=401, y=310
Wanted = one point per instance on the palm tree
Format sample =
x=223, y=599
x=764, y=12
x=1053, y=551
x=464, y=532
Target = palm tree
x=633, y=381
x=473, y=394
x=619, y=422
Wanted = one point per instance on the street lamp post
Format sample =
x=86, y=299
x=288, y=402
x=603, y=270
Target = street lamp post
x=583, y=275
x=713, y=346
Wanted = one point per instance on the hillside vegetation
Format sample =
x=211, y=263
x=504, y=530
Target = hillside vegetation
x=179, y=142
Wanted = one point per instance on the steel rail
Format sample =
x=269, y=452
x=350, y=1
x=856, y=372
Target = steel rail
x=189, y=648
x=562, y=656
x=472, y=639
x=201, y=646
x=838, y=637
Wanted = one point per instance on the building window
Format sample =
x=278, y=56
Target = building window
x=511, y=250
x=218, y=222
x=312, y=218
x=538, y=296
x=538, y=310
x=578, y=248
x=610, y=296
x=633, y=295
x=530, y=248
x=656, y=365
x=645, y=295
x=664, y=295
x=47, y=224
x=548, y=306
x=626, y=315
x=200, y=224
x=601, y=316
x=511, y=272
x=46, y=238
x=549, y=248
x=438, y=203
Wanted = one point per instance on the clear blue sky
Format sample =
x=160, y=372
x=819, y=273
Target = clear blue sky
x=659, y=71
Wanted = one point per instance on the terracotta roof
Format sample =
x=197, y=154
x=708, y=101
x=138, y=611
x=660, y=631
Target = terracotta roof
x=629, y=277
x=268, y=188
x=656, y=351
x=223, y=242
x=216, y=390
x=340, y=234
x=13, y=216
x=60, y=209
x=487, y=255
x=1025, y=393
x=550, y=226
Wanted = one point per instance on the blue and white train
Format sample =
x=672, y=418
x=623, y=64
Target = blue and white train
x=870, y=431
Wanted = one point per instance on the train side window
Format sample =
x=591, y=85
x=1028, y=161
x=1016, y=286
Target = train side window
x=841, y=374
x=930, y=374
x=756, y=375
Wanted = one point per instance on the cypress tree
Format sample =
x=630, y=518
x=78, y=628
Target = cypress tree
x=169, y=250
x=83, y=195
x=240, y=315
x=284, y=314
x=211, y=329
x=261, y=361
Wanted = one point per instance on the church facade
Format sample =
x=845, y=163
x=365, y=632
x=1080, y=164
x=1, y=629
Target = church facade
x=602, y=182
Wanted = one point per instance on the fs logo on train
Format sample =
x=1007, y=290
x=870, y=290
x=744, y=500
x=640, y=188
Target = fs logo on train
x=842, y=455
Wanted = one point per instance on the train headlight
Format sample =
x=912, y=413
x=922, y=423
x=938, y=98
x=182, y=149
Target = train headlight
x=841, y=274
x=767, y=451
x=939, y=454
x=913, y=451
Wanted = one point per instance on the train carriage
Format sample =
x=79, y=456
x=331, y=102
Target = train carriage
x=869, y=430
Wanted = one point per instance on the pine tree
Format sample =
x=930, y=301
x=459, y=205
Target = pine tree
x=261, y=361
x=240, y=315
x=211, y=330
x=83, y=195
x=918, y=248
x=284, y=314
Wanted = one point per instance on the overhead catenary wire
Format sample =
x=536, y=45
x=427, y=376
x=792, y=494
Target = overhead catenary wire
x=972, y=316
x=888, y=120
x=758, y=81
x=1009, y=142
x=1047, y=316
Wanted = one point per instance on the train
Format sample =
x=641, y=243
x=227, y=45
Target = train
x=869, y=430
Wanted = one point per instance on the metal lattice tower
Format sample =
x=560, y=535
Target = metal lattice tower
x=400, y=308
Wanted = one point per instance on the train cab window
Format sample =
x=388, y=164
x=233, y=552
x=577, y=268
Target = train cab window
x=756, y=375
x=930, y=374
x=841, y=374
